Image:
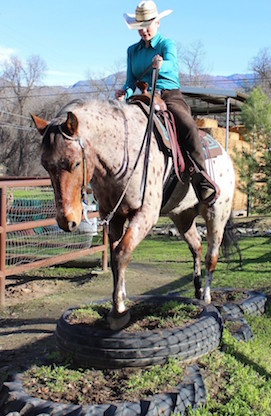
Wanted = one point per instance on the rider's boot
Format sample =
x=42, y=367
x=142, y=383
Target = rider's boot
x=205, y=188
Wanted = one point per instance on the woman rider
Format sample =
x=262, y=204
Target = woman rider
x=161, y=52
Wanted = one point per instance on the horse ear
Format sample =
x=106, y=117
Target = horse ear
x=40, y=124
x=71, y=124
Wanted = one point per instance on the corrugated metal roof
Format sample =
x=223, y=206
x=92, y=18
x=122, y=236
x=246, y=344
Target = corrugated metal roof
x=207, y=101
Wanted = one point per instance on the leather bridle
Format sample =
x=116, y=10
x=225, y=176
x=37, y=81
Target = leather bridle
x=82, y=146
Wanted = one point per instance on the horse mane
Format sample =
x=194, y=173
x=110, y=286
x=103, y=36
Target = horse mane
x=60, y=117
x=62, y=114
x=77, y=102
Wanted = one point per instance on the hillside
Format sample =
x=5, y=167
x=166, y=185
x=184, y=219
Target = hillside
x=231, y=82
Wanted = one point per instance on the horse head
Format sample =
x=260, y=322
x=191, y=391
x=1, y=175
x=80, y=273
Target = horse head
x=63, y=157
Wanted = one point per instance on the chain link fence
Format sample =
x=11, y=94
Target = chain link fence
x=29, y=234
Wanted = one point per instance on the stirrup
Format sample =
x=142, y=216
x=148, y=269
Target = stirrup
x=201, y=179
x=209, y=200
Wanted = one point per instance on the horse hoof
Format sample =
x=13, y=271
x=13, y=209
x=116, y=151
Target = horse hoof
x=199, y=294
x=117, y=322
x=207, y=300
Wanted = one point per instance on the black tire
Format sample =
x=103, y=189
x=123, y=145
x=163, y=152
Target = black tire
x=191, y=392
x=254, y=304
x=90, y=347
x=243, y=332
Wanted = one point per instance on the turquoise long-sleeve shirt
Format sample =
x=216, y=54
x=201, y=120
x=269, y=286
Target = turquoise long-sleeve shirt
x=139, y=58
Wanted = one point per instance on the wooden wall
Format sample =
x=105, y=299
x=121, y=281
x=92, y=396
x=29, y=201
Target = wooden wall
x=235, y=143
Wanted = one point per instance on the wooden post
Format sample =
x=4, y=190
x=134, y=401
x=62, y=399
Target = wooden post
x=3, y=223
x=104, y=255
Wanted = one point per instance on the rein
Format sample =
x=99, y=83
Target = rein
x=85, y=205
x=147, y=139
x=148, y=133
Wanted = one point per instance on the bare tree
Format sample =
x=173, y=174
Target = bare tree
x=104, y=87
x=19, y=80
x=261, y=66
x=191, y=62
x=49, y=101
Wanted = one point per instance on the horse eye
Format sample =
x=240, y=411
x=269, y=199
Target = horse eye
x=76, y=164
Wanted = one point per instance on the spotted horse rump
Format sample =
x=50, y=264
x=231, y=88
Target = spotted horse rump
x=101, y=143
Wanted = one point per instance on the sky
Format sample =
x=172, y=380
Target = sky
x=79, y=39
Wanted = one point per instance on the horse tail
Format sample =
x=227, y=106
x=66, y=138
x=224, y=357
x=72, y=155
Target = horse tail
x=229, y=245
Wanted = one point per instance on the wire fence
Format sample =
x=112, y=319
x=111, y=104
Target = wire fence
x=30, y=236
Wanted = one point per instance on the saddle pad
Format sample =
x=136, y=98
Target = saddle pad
x=160, y=131
x=211, y=147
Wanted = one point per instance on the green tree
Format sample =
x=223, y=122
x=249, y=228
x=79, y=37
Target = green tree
x=255, y=164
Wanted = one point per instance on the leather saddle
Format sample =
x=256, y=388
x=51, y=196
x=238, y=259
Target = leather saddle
x=161, y=115
x=165, y=132
x=163, y=126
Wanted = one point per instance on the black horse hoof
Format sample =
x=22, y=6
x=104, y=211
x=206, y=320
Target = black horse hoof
x=199, y=294
x=118, y=321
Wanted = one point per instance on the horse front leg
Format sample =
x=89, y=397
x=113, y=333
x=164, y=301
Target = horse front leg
x=117, y=313
x=121, y=251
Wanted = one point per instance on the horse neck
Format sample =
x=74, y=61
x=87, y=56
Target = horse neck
x=102, y=130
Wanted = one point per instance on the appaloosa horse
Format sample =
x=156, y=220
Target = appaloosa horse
x=100, y=142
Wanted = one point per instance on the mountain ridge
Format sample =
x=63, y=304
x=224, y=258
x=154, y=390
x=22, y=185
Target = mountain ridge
x=230, y=82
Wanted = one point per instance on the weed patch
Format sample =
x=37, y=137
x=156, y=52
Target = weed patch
x=144, y=315
x=61, y=383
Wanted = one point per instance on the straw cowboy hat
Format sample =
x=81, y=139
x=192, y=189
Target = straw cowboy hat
x=146, y=13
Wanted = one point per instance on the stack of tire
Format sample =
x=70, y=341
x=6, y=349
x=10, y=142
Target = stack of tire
x=101, y=349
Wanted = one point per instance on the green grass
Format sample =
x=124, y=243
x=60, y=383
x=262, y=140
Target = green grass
x=238, y=374
x=150, y=380
x=60, y=381
x=56, y=378
x=170, y=254
x=32, y=193
x=91, y=313
x=63, y=383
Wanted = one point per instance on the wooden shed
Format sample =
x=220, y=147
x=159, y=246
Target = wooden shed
x=217, y=112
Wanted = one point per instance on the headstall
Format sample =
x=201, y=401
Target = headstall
x=86, y=207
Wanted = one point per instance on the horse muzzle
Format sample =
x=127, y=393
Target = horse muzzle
x=68, y=223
